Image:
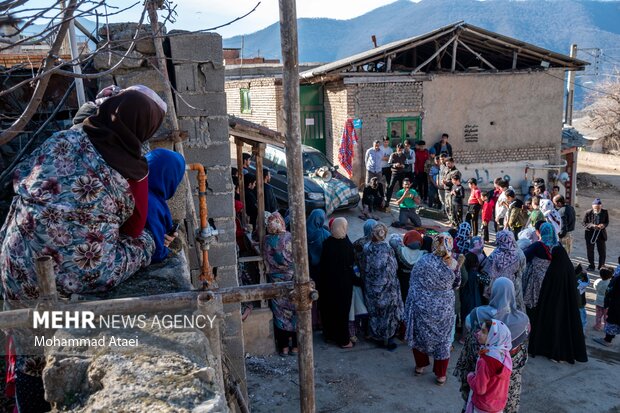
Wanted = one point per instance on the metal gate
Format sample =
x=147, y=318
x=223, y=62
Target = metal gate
x=312, y=114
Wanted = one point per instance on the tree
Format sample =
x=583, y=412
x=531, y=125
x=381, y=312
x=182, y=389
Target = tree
x=603, y=115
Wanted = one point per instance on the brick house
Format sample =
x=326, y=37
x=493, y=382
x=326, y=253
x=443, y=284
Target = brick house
x=500, y=100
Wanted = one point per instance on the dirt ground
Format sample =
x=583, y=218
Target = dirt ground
x=370, y=379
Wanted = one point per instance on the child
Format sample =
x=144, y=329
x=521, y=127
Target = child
x=372, y=198
x=474, y=205
x=612, y=305
x=516, y=218
x=489, y=383
x=487, y=213
x=457, y=195
x=582, y=284
x=600, y=286
x=536, y=214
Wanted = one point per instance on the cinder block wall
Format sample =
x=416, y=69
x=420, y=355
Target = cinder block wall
x=336, y=114
x=201, y=109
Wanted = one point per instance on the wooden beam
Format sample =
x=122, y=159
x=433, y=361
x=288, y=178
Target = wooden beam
x=478, y=55
x=514, y=59
x=259, y=152
x=244, y=213
x=389, y=64
x=437, y=55
x=454, y=49
x=427, y=61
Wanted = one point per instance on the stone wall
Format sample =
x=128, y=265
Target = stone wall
x=265, y=101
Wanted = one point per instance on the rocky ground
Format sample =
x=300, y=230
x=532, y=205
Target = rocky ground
x=369, y=379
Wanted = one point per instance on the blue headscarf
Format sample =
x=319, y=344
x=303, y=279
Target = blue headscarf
x=317, y=233
x=166, y=170
x=547, y=235
x=368, y=226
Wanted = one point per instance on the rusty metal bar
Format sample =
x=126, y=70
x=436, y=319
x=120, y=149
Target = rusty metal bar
x=303, y=285
x=206, y=274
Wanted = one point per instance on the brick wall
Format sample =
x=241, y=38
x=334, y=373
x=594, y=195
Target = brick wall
x=265, y=101
x=336, y=112
x=504, y=155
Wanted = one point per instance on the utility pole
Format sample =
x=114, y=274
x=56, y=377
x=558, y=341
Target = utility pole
x=303, y=285
x=570, y=90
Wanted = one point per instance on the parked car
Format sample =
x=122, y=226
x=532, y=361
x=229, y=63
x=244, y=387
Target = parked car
x=275, y=161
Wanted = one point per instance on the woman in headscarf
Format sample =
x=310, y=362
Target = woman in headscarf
x=381, y=288
x=429, y=312
x=166, y=170
x=82, y=199
x=278, y=251
x=317, y=233
x=358, y=245
x=506, y=261
x=336, y=284
x=552, y=216
x=461, y=241
x=502, y=307
x=538, y=257
x=557, y=332
x=360, y=264
x=408, y=252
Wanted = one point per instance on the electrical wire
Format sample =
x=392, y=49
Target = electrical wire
x=602, y=92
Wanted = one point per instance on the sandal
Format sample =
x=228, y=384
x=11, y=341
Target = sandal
x=440, y=382
x=419, y=371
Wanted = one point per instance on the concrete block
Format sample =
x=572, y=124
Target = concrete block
x=219, y=180
x=218, y=128
x=204, y=104
x=232, y=322
x=107, y=59
x=122, y=33
x=146, y=77
x=222, y=254
x=195, y=47
x=204, y=77
x=220, y=205
x=226, y=228
x=258, y=333
x=227, y=276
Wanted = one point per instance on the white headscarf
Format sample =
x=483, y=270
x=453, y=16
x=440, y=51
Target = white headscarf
x=551, y=215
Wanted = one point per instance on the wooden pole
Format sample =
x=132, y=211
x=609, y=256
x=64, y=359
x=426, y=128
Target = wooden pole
x=241, y=180
x=297, y=208
x=259, y=151
x=46, y=279
x=570, y=90
x=478, y=55
x=454, y=50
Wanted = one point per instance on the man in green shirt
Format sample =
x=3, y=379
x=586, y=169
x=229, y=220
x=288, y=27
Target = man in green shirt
x=408, y=200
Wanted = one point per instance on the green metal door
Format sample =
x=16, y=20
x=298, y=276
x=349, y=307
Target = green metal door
x=312, y=116
x=400, y=129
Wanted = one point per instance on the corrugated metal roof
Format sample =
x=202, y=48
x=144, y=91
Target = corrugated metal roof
x=492, y=39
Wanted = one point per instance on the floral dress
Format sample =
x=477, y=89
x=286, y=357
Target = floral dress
x=279, y=261
x=382, y=290
x=69, y=205
x=429, y=312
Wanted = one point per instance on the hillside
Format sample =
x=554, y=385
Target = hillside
x=550, y=24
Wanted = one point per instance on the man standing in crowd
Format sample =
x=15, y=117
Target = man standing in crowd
x=271, y=203
x=397, y=163
x=410, y=154
x=246, y=162
x=433, y=184
x=419, y=169
x=567, y=212
x=595, y=222
x=449, y=172
x=373, y=160
x=501, y=206
x=442, y=146
x=408, y=201
x=386, y=150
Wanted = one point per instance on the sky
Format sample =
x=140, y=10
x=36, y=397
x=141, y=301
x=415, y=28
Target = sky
x=204, y=14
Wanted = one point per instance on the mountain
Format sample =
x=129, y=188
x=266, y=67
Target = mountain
x=554, y=25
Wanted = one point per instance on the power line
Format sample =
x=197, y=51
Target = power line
x=582, y=86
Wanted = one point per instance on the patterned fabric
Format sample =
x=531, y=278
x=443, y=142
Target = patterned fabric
x=379, y=232
x=345, y=154
x=275, y=223
x=612, y=329
x=467, y=363
x=498, y=344
x=69, y=205
x=461, y=241
x=532, y=280
x=442, y=247
x=506, y=261
x=358, y=246
x=552, y=216
x=382, y=290
x=548, y=235
x=429, y=312
x=337, y=193
x=278, y=250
